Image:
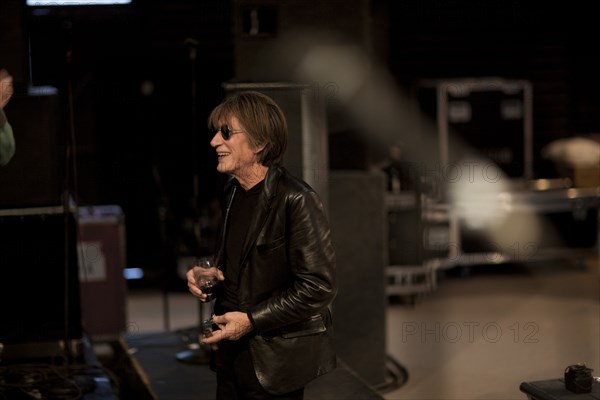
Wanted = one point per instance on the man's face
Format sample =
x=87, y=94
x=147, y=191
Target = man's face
x=235, y=155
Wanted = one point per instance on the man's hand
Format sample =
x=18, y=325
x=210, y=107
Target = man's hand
x=232, y=326
x=6, y=87
x=191, y=276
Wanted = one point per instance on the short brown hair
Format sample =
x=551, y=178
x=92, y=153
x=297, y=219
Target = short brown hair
x=262, y=120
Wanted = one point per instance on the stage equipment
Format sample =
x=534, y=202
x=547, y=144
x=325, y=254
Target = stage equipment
x=358, y=230
x=39, y=286
x=486, y=117
x=478, y=203
x=102, y=257
x=555, y=389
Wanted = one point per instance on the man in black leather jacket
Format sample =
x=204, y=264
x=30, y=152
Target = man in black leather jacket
x=276, y=258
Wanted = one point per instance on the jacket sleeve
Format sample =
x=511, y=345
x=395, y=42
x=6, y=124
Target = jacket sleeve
x=311, y=262
x=7, y=141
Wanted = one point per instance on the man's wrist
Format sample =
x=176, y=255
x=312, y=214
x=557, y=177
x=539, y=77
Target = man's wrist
x=251, y=319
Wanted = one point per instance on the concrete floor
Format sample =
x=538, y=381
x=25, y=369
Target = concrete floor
x=477, y=336
x=480, y=336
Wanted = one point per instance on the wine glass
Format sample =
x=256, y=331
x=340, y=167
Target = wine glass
x=206, y=275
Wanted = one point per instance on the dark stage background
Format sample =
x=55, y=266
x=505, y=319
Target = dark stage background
x=126, y=76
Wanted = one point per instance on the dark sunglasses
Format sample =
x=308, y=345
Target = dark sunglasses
x=225, y=131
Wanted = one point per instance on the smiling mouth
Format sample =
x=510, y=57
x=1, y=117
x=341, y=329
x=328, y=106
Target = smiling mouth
x=220, y=155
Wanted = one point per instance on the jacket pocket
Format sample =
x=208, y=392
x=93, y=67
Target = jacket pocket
x=263, y=248
x=311, y=326
x=286, y=364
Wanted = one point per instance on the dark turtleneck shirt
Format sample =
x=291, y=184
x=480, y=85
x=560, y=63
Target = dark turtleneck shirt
x=241, y=212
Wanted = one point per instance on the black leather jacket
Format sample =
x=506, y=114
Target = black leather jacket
x=287, y=283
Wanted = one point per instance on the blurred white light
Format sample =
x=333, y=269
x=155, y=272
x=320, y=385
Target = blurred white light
x=133, y=273
x=48, y=3
x=478, y=198
x=147, y=88
x=347, y=66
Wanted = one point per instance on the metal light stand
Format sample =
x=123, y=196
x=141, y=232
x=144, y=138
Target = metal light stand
x=196, y=353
